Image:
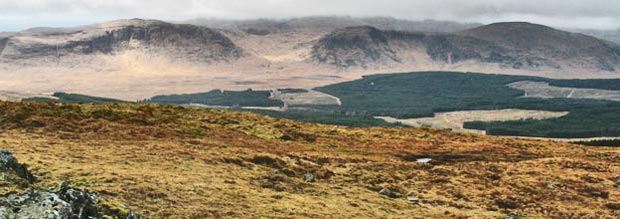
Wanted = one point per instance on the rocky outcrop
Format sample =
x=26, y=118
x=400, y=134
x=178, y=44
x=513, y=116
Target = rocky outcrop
x=3, y=42
x=61, y=202
x=12, y=170
x=454, y=48
x=354, y=46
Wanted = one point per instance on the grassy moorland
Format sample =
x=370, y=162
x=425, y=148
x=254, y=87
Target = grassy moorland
x=174, y=162
x=332, y=118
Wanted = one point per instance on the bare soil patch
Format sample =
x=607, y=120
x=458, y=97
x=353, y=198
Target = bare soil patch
x=544, y=90
x=455, y=120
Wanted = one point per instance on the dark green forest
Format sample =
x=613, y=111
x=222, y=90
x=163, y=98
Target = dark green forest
x=220, y=98
x=605, y=143
x=73, y=98
x=421, y=94
x=411, y=95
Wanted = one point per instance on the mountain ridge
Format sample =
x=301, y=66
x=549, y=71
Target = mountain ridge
x=202, y=44
x=133, y=55
x=527, y=44
x=514, y=45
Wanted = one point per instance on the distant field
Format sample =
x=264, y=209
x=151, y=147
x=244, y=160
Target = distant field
x=545, y=90
x=455, y=120
x=300, y=97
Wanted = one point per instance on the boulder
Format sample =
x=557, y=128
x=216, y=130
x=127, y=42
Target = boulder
x=35, y=204
x=309, y=177
x=8, y=163
x=413, y=199
x=60, y=202
x=389, y=193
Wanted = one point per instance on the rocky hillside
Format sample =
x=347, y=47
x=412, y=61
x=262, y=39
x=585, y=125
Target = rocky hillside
x=174, y=162
x=355, y=46
x=3, y=42
x=509, y=45
x=187, y=42
x=545, y=46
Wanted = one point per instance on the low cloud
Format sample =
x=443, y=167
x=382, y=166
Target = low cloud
x=596, y=14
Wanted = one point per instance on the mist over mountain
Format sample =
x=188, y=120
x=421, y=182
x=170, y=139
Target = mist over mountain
x=610, y=35
x=331, y=23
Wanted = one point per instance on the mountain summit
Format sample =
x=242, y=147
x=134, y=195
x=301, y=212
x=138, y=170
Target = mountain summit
x=148, y=36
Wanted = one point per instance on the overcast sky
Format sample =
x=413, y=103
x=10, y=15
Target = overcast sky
x=594, y=14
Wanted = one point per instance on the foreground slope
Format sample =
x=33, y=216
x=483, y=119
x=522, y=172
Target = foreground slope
x=173, y=162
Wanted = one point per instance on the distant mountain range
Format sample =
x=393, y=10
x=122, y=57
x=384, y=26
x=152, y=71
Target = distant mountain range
x=271, y=53
x=510, y=45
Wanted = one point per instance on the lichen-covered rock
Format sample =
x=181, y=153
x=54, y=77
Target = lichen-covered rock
x=309, y=177
x=61, y=202
x=35, y=204
x=389, y=193
x=9, y=164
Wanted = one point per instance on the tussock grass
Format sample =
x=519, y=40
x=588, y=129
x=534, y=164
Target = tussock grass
x=173, y=162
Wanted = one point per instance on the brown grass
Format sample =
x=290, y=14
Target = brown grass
x=172, y=162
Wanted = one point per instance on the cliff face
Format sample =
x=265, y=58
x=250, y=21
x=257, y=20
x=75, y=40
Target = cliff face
x=355, y=46
x=3, y=42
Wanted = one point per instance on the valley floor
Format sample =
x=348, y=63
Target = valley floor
x=133, y=75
